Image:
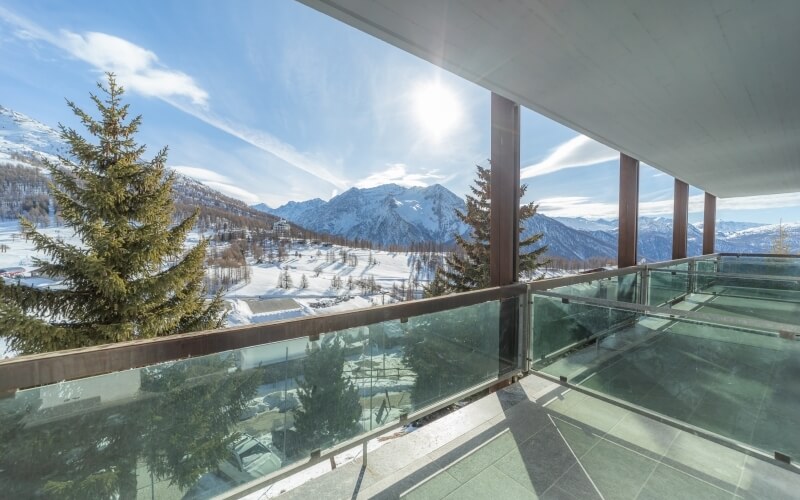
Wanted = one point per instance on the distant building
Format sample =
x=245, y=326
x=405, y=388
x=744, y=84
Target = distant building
x=281, y=228
x=12, y=272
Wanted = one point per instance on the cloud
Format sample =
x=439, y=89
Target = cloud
x=577, y=206
x=265, y=142
x=139, y=70
x=396, y=173
x=233, y=191
x=216, y=181
x=579, y=151
x=200, y=174
x=581, y=206
x=783, y=200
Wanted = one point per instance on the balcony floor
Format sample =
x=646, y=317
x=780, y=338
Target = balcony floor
x=536, y=440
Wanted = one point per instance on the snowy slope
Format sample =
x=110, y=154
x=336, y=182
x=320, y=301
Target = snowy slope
x=760, y=239
x=22, y=137
x=564, y=241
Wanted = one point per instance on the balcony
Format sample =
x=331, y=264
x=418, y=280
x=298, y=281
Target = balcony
x=644, y=381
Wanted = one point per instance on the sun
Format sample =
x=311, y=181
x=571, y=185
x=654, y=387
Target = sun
x=437, y=109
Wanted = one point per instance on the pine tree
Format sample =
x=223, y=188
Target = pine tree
x=303, y=282
x=330, y=404
x=117, y=284
x=468, y=268
x=780, y=245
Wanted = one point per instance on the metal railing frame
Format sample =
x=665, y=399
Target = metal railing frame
x=43, y=369
x=25, y=372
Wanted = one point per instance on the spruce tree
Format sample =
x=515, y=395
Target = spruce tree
x=468, y=268
x=117, y=283
x=780, y=244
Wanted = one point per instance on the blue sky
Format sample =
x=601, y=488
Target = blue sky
x=273, y=101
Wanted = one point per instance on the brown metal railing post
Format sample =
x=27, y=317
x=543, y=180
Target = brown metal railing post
x=628, y=210
x=504, y=221
x=680, y=219
x=504, y=215
x=709, y=223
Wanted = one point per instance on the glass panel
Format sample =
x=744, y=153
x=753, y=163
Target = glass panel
x=736, y=296
x=767, y=266
x=735, y=382
x=199, y=427
x=622, y=288
x=666, y=286
x=558, y=326
x=707, y=270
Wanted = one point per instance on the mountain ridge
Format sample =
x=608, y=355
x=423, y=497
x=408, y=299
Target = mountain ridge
x=390, y=214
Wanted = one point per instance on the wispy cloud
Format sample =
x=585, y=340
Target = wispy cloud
x=579, y=151
x=216, y=181
x=265, y=142
x=137, y=68
x=199, y=173
x=581, y=206
x=783, y=200
x=140, y=71
x=397, y=173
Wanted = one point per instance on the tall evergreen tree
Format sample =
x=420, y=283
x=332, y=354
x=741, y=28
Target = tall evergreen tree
x=780, y=244
x=468, y=269
x=117, y=283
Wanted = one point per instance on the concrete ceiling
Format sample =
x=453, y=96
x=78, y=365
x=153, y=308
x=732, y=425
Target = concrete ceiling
x=707, y=91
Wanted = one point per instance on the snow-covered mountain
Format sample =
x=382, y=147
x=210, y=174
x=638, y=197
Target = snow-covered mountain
x=392, y=214
x=725, y=227
x=294, y=210
x=25, y=141
x=760, y=239
x=564, y=241
x=387, y=214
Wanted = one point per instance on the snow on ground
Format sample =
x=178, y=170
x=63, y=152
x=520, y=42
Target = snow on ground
x=387, y=268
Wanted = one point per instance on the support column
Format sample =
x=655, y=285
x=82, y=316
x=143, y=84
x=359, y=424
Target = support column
x=680, y=219
x=628, y=210
x=709, y=223
x=504, y=215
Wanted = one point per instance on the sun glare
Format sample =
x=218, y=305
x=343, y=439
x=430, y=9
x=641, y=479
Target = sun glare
x=437, y=109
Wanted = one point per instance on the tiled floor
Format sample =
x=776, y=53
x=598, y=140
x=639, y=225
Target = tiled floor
x=533, y=440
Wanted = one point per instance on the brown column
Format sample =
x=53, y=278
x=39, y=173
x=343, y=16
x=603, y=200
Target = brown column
x=680, y=219
x=628, y=210
x=709, y=223
x=504, y=215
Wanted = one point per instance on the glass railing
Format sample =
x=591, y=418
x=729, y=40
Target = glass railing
x=561, y=325
x=200, y=427
x=770, y=298
x=761, y=265
x=734, y=380
x=623, y=288
x=668, y=284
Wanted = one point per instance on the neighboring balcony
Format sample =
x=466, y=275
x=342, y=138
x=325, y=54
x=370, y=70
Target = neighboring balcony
x=670, y=380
